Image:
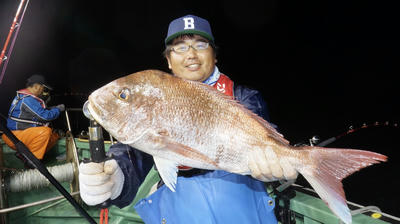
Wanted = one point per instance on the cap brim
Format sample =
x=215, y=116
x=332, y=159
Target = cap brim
x=47, y=86
x=198, y=32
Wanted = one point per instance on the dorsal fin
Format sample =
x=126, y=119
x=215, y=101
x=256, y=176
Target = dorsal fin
x=234, y=103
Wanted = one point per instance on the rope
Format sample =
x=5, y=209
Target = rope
x=33, y=179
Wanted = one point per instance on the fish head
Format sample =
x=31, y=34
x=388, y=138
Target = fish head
x=124, y=107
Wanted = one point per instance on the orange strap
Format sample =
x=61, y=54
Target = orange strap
x=104, y=213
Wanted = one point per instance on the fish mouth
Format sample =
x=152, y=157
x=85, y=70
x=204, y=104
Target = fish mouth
x=97, y=114
x=93, y=111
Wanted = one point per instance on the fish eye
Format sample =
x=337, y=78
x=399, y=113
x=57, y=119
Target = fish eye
x=124, y=94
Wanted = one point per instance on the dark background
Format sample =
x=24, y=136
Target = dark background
x=321, y=66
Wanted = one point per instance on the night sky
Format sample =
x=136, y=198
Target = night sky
x=321, y=66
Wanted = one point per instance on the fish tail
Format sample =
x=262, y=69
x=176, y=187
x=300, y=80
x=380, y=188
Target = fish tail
x=328, y=166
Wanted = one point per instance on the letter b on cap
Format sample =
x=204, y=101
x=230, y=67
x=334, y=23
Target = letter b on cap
x=189, y=23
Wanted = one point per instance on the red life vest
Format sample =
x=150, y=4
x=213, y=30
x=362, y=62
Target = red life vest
x=225, y=86
x=27, y=92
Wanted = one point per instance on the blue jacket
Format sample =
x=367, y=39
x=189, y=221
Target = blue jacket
x=26, y=107
x=210, y=197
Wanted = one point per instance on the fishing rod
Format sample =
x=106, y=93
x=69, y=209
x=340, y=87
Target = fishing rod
x=15, y=24
x=285, y=193
x=21, y=148
x=314, y=140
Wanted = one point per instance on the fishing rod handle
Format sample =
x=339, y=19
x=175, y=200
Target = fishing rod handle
x=96, y=143
x=97, y=151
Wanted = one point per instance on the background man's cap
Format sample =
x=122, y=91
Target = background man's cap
x=189, y=24
x=38, y=79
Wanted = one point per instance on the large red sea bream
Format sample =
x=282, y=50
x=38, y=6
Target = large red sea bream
x=182, y=122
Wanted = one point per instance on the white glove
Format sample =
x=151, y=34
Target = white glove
x=100, y=181
x=264, y=165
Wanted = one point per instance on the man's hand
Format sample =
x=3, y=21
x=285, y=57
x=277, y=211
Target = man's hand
x=99, y=182
x=61, y=107
x=266, y=166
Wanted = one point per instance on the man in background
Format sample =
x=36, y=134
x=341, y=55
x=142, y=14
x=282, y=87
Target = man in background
x=28, y=118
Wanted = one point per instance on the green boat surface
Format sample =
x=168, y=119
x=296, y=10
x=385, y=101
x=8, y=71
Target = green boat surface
x=46, y=205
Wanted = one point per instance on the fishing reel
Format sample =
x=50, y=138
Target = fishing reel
x=313, y=141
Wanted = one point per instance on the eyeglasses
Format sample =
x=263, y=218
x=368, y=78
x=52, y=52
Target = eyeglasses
x=183, y=47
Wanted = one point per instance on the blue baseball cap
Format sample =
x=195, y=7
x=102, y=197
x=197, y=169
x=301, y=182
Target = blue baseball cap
x=189, y=24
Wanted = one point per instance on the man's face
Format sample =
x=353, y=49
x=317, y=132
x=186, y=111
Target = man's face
x=37, y=89
x=195, y=65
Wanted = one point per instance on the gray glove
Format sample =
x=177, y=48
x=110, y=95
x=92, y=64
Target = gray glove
x=61, y=107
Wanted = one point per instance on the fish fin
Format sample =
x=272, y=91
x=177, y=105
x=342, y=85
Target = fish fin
x=271, y=130
x=168, y=171
x=329, y=167
x=329, y=194
x=187, y=151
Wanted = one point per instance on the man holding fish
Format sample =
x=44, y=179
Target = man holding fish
x=215, y=196
x=190, y=119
